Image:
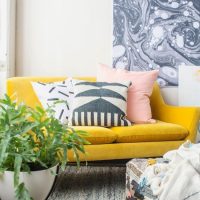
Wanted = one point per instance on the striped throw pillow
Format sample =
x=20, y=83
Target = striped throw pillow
x=99, y=104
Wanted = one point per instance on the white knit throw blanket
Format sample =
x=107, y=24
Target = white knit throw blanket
x=180, y=178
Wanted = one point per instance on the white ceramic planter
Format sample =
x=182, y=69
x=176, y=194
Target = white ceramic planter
x=38, y=183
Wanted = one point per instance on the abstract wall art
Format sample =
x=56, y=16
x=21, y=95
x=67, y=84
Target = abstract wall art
x=156, y=34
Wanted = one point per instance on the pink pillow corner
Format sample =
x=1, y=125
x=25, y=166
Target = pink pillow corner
x=138, y=103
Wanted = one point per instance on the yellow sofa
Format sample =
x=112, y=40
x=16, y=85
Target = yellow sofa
x=174, y=126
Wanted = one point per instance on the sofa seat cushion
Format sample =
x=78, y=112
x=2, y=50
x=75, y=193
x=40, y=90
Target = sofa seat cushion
x=160, y=131
x=97, y=134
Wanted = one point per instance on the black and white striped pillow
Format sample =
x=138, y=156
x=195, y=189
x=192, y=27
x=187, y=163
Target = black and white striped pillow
x=100, y=104
x=50, y=93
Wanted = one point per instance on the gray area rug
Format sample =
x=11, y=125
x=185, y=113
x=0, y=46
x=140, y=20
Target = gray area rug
x=90, y=183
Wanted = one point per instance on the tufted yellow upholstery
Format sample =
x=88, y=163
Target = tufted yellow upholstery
x=98, y=135
x=126, y=150
x=185, y=119
x=22, y=88
x=160, y=131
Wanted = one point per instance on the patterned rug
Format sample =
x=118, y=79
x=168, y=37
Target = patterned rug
x=90, y=183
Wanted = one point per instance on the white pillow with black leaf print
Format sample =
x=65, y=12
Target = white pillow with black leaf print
x=49, y=94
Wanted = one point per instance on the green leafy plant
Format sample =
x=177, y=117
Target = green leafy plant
x=32, y=139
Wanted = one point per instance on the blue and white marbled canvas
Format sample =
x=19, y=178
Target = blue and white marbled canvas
x=156, y=34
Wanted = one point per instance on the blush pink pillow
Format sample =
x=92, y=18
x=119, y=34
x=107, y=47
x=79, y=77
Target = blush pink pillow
x=138, y=103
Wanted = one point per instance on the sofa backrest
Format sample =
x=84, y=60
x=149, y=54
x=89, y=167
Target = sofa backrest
x=21, y=88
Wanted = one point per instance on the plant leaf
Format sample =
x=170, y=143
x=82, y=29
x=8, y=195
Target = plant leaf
x=3, y=146
x=64, y=159
x=2, y=171
x=17, y=167
x=21, y=193
x=28, y=128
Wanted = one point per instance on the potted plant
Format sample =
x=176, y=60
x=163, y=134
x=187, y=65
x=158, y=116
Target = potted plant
x=32, y=144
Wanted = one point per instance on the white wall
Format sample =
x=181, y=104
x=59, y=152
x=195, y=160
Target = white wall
x=3, y=44
x=170, y=95
x=63, y=37
x=7, y=42
x=66, y=37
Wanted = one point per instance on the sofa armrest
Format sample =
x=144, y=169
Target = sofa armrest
x=187, y=117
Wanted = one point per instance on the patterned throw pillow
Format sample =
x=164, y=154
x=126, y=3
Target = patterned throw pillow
x=100, y=104
x=49, y=94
